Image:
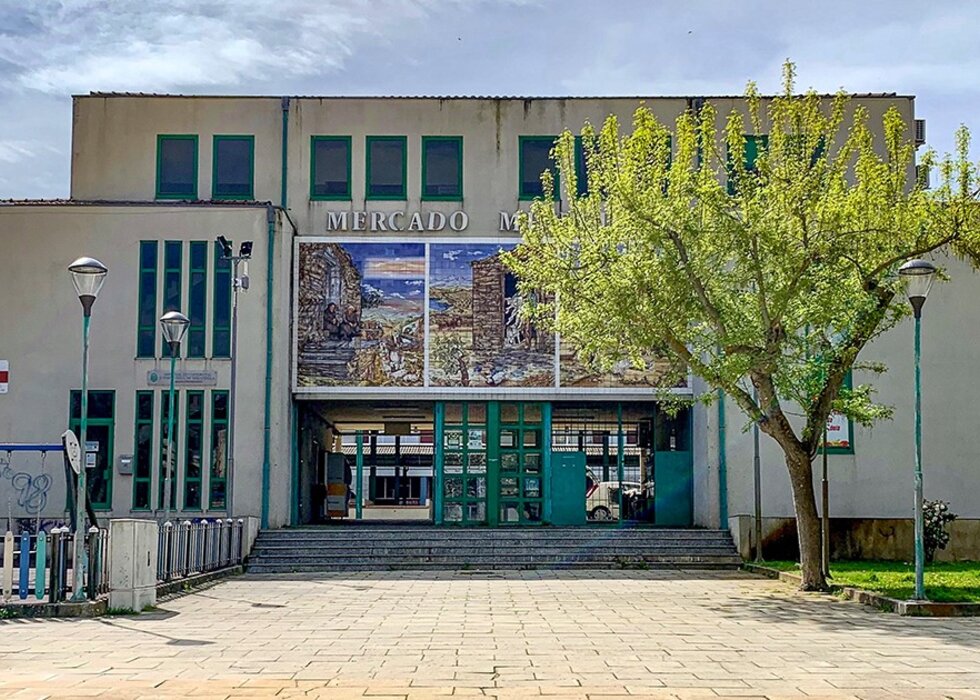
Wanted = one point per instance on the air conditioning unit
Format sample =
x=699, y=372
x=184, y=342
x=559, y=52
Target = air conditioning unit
x=920, y=132
x=922, y=176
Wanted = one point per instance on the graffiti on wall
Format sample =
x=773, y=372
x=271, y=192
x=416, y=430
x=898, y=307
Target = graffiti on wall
x=442, y=314
x=29, y=491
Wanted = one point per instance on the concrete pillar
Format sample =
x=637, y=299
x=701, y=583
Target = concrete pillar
x=132, y=564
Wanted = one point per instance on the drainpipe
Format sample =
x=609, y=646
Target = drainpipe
x=722, y=464
x=269, y=306
x=267, y=420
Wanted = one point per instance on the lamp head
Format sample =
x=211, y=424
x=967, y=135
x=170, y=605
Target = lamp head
x=919, y=276
x=226, y=250
x=174, y=325
x=88, y=275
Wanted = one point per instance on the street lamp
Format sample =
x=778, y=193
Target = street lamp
x=174, y=325
x=919, y=276
x=239, y=283
x=88, y=275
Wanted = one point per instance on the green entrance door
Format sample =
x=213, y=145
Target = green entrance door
x=461, y=461
x=491, y=463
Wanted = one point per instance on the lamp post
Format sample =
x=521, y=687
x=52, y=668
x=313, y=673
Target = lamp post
x=918, y=276
x=174, y=326
x=88, y=275
x=238, y=283
x=757, y=482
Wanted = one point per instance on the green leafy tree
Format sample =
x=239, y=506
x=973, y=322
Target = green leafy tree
x=772, y=274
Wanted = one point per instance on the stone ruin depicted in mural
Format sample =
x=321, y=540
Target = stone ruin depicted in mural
x=477, y=337
x=360, y=313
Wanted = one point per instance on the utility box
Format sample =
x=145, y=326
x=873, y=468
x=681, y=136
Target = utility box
x=567, y=488
x=132, y=563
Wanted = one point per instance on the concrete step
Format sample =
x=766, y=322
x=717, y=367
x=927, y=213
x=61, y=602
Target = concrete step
x=367, y=548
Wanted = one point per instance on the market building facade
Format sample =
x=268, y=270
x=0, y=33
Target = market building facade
x=383, y=362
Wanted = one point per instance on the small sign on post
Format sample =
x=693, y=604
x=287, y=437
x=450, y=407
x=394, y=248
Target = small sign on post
x=73, y=451
x=4, y=376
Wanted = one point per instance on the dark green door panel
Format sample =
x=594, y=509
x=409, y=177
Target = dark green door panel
x=674, y=488
x=568, y=488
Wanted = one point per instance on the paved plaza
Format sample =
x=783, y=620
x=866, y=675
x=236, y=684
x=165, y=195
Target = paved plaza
x=508, y=635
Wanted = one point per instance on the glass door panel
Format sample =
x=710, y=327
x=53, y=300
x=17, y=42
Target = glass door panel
x=464, y=451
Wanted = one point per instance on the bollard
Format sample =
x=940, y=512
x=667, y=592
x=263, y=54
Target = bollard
x=93, y=562
x=40, y=563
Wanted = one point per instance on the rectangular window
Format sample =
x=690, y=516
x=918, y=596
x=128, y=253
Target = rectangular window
x=233, y=167
x=754, y=145
x=840, y=428
x=194, y=436
x=146, y=324
x=330, y=167
x=197, y=302
x=581, y=169
x=387, y=167
x=164, y=428
x=177, y=166
x=143, y=451
x=442, y=168
x=99, y=434
x=219, y=449
x=221, y=327
x=173, y=254
x=534, y=159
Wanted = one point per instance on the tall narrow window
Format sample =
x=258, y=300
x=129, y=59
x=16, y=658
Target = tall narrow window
x=221, y=327
x=534, y=159
x=330, y=167
x=219, y=450
x=581, y=169
x=177, y=166
x=233, y=167
x=197, y=298
x=442, y=168
x=194, y=436
x=173, y=253
x=754, y=146
x=164, y=413
x=146, y=324
x=387, y=167
x=143, y=451
x=100, y=434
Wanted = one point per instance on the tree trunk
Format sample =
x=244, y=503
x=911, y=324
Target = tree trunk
x=807, y=520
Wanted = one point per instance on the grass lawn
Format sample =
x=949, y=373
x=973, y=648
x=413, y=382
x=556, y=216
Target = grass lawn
x=957, y=582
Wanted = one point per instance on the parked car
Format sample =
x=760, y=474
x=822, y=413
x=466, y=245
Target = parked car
x=602, y=497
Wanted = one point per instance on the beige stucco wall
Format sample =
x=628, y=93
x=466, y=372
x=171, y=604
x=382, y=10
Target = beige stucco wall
x=876, y=481
x=40, y=335
x=114, y=143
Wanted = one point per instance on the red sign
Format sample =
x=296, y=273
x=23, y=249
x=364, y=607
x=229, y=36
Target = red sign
x=4, y=376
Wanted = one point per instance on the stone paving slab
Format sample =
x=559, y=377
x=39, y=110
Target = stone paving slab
x=413, y=635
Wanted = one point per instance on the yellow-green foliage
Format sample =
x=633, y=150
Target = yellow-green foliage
x=777, y=275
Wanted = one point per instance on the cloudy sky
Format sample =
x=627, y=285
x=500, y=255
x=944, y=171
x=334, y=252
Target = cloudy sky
x=51, y=49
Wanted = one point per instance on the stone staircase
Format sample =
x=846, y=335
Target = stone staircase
x=386, y=548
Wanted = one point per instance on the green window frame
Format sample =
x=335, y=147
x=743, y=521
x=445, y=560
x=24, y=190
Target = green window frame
x=173, y=261
x=143, y=451
x=175, y=464
x=456, y=195
x=522, y=443
x=101, y=428
x=466, y=474
x=370, y=192
x=317, y=188
x=180, y=190
x=753, y=145
x=232, y=190
x=197, y=299
x=221, y=326
x=218, y=477
x=146, y=315
x=193, y=449
x=525, y=189
x=849, y=450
